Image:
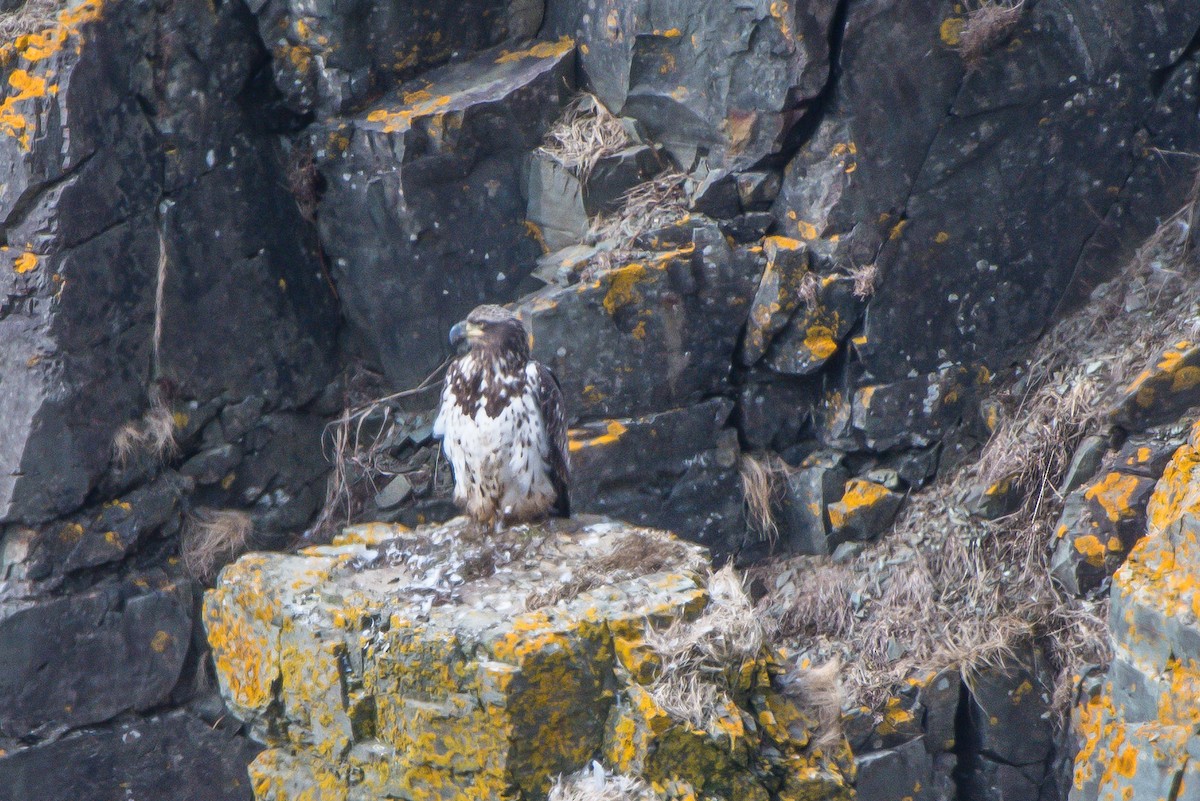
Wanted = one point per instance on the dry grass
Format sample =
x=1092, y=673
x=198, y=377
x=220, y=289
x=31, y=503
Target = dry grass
x=819, y=690
x=865, y=277
x=763, y=489
x=153, y=434
x=657, y=203
x=301, y=171
x=635, y=554
x=809, y=290
x=987, y=26
x=702, y=659
x=33, y=16
x=212, y=538
x=594, y=783
x=353, y=444
x=947, y=590
x=586, y=133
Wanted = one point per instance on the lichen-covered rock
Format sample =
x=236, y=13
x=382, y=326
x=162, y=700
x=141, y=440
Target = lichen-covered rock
x=1169, y=386
x=1138, y=728
x=722, y=81
x=423, y=217
x=441, y=663
x=330, y=56
x=778, y=295
x=648, y=336
x=817, y=332
x=1099, y=524
x=865, y=510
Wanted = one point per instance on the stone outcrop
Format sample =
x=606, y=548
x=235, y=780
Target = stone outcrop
x=422, y=216
x=439, y=663
x=1138, y=722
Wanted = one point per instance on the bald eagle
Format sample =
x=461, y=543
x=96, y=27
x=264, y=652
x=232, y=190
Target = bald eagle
x=502, y=423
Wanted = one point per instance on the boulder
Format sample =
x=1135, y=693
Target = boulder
x=711, y=80
x=171, y=757
x=817, y=331
x=813, y=490
x=894, y=774
x=85, y=658
x=435, y=663
x=1100, y=523
x=422, y=216
x=865, y=511
x=331, y=56
x=1167, y=387
x=676, y=469
x=651, y=335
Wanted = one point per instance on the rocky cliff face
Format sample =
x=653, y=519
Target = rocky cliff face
x=812, y=232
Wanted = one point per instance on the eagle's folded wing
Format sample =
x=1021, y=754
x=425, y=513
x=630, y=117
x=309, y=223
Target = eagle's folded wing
x=554, y=418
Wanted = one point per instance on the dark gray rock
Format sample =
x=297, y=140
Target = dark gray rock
x=175, y=757
x=913, y=413
x=656, y=334
x=865, y=511
x=676, y=470
x=86, y=658
x=423, y=217
x=1088, y=456
x=1064, y=69
x=940, y=695
x=896, y=774
x=140, y=163
x=555, y=202
x=774, y=411
x=332, y=55
x=1011, y=713
x=758, y=190
x=990, y=780
x=212, y=465
x=712, y=78
x=613, y=176
x=110, y=532
x=811, y=489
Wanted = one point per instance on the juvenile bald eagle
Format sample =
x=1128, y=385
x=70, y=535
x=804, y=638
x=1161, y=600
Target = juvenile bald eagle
x=503, y=423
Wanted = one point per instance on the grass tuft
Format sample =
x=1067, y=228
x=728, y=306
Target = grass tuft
x=763, y=489
x=586, y=133
x=153, y=434
x=212, y=538
x=987, y=26
x=701, y=659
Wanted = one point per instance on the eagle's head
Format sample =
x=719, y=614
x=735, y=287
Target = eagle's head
x=490, y=328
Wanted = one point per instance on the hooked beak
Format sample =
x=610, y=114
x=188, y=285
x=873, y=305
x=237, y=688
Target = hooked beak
x=458, y=337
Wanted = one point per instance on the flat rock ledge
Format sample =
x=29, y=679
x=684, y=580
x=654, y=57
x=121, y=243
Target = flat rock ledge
x=440, y=664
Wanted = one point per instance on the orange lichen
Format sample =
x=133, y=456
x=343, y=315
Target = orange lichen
x=614, y=431
x=539, y=50
x=859, y=494
x=1113, y=493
